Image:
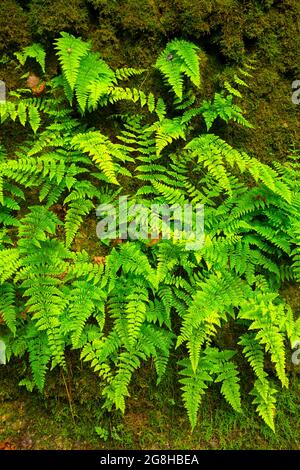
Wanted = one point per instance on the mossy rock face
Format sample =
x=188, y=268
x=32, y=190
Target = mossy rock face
x=137, y=17
x=50, y=17
x=274, y=116
x=14, y=28
x=231, y=28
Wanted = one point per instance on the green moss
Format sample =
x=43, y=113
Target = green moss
x=14, y=29
x=154, y=417
x=145, y=16
x=49, y=17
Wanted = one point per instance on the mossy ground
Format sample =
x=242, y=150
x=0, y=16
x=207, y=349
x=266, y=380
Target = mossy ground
x=154, y=418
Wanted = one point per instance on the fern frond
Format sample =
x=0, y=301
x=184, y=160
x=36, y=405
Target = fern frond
x=85, y=299
x=70, y=52
x=125, y=73
x=179, y=57
x=136, y=305
x=194, y=385
x=102, y=151
x=34, y=51
x=8, y=306
x=226, y=372
x=265, y=400
x=76, y=211
x=39, y=356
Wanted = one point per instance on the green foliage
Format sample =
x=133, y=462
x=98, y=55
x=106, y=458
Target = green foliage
x=8, y=305
x=25, y=110
x=102, y=151
x=84, y=71
x=35, y=51
x=211, y=307
x=265, y=401
x=178, y=58
x=71, y=51
x=224, y=108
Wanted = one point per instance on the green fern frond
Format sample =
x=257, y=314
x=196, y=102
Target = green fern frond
x=34, y=51
x=8, y=306
x=39, y=356
x=253, y=352
x=9, y=263
x=93, y=74
x=166, y=131
x=102, y=151
x=125, y=73
x=178, y=58
x=224, y=108
x=117, y=390
x=194, y=385
x=264, y=316
x=85, y=299
x=136, y=305
x=76, y=211
x=226, y=372
x=70, y=52
x=265, y=400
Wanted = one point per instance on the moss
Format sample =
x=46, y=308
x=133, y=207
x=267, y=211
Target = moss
x=145, y=16
x=14, y=29
x=267, y=104
x=232, y=26
x=138, y=17
x=105, y=41
x=45, y=422
x=127, y=32
x=50, y=17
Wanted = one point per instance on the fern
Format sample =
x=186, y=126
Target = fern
x=136, y=304
x=77, y=210
x=85, y=300
x=26, y=110
x=253, y=351
x=84, y=72
x=124, y=303
x=70, y=51
x=125, y=73
x=8, y=309
x=224, y=108
x=265, y=401
x=39, y=356
x=178, y=58
x=264, y=316
x=194, y=385
x=226, y=372
x=34, y=51
x=102, y=152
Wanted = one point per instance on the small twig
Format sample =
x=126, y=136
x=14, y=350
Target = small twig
x=69, y=396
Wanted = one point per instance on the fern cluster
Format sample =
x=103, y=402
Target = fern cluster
x=145, y=299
